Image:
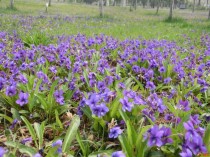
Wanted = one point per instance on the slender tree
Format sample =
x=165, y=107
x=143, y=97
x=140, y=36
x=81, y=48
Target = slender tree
x=136, y=3
x=158, y=5
x=199, y=2
x=193, y=6
x=209, y=14
x=144, y=2
x=49, y=3
x=171, y=9
x=101, y=8
x=131, y=5
x=11, y=4
x=107, y=2
x=123, y=3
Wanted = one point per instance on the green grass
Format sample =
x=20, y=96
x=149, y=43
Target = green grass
x=118, y=22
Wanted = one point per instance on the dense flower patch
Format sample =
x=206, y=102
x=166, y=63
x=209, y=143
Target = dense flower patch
x=132, y=97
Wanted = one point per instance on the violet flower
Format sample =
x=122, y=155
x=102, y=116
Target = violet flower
x=118, y=154
x=58, y=94
x=115, y=132
x=11, y=90
x=23, y=99
x=126, y=105
x=2, y=151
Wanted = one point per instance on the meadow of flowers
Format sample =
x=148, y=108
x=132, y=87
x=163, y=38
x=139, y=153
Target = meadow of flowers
x=88, y=95
x=100, y=96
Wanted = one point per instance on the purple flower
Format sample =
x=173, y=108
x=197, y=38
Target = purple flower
x=167, y=80
x=191, y=132
x=29, y=139
x=2, y=151
x=150, y=85
x=23, y=79
x=155, y=135
x=37, y=155
x=136, y=68
x=58, y=94
x=15, y=121
x=101, y=85
x=53, y=69
x=121, y=85
x=2, y=81
x=148, y=113
x=166, y=134
x=100, y=110
x=161, y=107
x=57, y=143
x=118, y=154
x=168, y=117
x=139, y=101
x=162, y=69
x=11, y=90
x=115, y=132
x=23, y=99
x=186, y=153
x=183, y=105
x=93, y=100
x=126, y=105
x=197, y=146
x=195, y=119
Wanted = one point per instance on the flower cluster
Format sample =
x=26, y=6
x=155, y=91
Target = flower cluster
x=193, y=138
x=158, y=136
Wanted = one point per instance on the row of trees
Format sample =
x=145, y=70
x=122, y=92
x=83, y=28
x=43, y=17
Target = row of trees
x=172, y=4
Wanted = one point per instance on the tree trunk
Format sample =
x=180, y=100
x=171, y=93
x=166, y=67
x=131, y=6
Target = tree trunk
x=101, y=9
x=207, y=2
x=11, y=4
x=114, y=3
x=107, y=2
x=209, y=15
x=123, y=3
x=199, y=2
x=135, y=6
x=193, y=6
x=49, y=3
x=171, y=10
x=158, y=5
x=131, y=5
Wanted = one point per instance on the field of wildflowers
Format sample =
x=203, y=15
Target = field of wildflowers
x=100, y=95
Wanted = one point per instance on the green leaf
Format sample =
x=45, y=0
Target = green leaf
x=33, y=95
x=140, y=135
x=52, y=152
x=71, y=133
x=206, y=138
x=6, y=117
x=81, y=144
x=140, y=144
x=125, y=145
x=139, y=83
x=31, y=130
x=114, y=107
x=52, y=89
x=22, y=148
x=15, y=114
x=86, y=78
x=43, y=103
x=58, y=120
x=40, y=132
x=171, y=107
